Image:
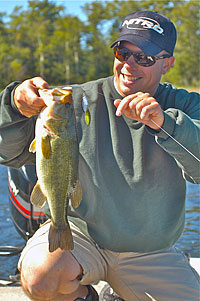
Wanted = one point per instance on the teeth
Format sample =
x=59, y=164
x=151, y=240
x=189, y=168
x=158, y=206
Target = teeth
x=130, y=78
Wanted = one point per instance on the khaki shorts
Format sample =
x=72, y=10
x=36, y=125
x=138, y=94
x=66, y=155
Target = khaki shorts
x=162, y=275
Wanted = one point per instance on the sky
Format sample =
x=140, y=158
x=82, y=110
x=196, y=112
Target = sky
x=73, y=7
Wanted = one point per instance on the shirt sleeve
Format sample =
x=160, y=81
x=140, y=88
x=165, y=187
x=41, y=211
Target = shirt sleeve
x=16, y=131
x=180, y=137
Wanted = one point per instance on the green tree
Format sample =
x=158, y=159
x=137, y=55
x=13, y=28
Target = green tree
x=41, y=18
x=5, y=56
x=186, y=71
x=66, y=52
x=96, y=54
x=20, y=50
x=43, y=40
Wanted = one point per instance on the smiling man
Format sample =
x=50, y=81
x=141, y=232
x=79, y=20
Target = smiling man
x=136, y=151
x=131, y=72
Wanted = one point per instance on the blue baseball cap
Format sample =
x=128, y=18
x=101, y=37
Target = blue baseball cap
x=149, y=31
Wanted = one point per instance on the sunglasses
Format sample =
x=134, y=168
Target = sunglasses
x=123, y=54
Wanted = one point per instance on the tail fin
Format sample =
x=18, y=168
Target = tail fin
x=60, y=238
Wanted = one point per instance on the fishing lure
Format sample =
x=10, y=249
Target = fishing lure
x=85, y=109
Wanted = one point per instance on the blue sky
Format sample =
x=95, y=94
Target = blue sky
x=73, y=7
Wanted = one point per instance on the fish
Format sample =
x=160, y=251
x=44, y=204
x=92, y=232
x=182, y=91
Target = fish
x=57, y=158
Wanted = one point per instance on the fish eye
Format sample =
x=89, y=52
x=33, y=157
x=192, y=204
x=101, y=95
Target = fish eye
x=67, y=105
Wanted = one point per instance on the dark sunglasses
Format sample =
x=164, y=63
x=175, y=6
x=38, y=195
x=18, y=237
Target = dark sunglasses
x=123, y=54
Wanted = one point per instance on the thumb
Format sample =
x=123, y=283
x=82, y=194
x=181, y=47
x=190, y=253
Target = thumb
x=40, y=83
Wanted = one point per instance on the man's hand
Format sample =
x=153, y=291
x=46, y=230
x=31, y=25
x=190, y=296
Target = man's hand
x=141, y=107
x=26, y=96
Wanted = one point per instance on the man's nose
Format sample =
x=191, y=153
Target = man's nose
x=131, y=62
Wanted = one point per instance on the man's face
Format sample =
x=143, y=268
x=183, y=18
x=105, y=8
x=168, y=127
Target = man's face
x=132, y=78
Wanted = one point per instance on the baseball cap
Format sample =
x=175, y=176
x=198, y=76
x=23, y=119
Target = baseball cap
x=150, y=31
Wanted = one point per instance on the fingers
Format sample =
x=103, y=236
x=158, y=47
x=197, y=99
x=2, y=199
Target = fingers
x=121, y=105
x=26, y=96
x=133, y=102
x=40, y=83
x=142, y=107
x=147, y=112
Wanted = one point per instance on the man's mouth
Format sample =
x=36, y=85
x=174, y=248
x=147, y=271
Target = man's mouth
x=128, y=79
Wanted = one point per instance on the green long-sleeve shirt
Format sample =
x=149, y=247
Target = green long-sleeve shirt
x=132, y=177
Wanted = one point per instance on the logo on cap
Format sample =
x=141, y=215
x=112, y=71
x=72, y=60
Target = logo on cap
x=143, y=23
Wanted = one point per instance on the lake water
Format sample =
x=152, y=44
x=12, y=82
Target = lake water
x=189, y=241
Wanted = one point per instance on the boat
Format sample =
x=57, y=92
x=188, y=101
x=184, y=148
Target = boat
x=25, y=216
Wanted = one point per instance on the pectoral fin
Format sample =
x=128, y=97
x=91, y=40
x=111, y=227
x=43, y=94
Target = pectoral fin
x=76, y=197
x=37, y=196
x=46, y=146
x=32, y=147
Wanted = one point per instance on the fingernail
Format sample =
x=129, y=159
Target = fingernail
x=118, y=113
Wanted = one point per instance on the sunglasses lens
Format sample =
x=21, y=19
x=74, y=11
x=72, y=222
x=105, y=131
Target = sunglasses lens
x=123, y=54
x=144, y=60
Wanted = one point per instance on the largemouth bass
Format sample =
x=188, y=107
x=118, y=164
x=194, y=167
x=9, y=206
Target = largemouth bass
x=57, y=153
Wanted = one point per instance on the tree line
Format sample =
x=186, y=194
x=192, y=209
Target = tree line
x=45, y=40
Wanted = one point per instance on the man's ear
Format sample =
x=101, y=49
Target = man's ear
x=168, y=63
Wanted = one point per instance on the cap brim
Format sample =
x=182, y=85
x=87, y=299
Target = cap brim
x=147, y=46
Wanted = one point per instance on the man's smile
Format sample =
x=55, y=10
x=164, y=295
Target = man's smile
x=129, y=79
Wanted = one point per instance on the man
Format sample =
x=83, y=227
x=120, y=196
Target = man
x=133, y=164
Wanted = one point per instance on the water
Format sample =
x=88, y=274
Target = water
x=8, y=234
x=189, y=242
